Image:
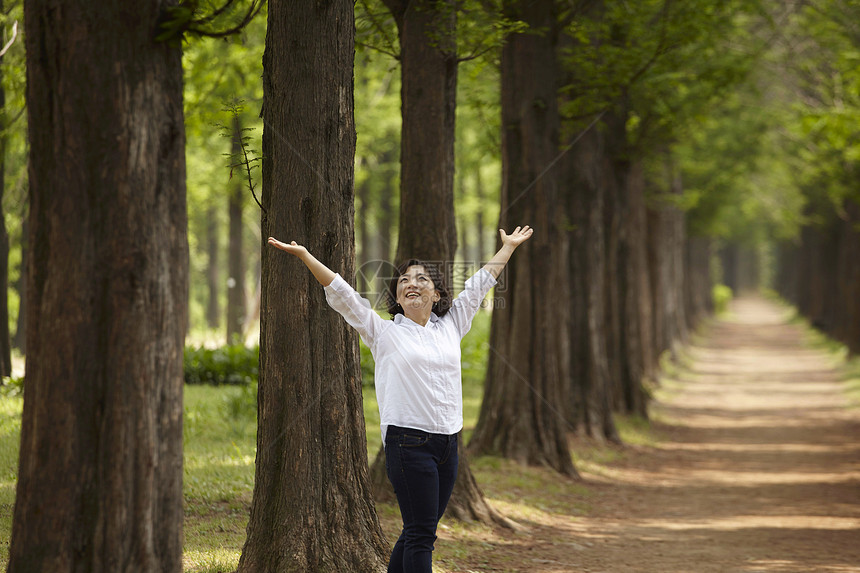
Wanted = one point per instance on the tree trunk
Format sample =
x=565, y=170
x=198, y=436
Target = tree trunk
x=585, y=185
x=698, y=282
x=666, y=262
x=100, y=475
x=236, y=299
x=523, y=411
x=627, y=277
x=20, y=341
x=312, y=508
x=468, y=502
x=212, y=247
x=428, y=231
x=428, y=61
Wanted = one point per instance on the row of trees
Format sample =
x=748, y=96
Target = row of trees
x=623, y=138
x=819, y=271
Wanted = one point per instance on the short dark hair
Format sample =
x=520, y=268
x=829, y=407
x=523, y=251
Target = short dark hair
x=440, y=307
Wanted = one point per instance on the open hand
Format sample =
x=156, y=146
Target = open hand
x=518, y=237
x=293, y=248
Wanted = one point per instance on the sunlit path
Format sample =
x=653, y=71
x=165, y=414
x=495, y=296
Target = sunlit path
x=758, y=468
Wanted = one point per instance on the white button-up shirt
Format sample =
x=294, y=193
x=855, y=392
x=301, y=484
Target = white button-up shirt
x=417, y=376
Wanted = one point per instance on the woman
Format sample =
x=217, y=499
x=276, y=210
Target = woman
x=418, y=383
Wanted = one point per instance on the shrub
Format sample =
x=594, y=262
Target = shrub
x=234, y=365
x=722, y=296
x=12, y=386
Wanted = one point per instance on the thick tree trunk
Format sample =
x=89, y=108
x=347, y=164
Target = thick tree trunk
x=100, y=475
x=212, y=269
x=641, y=300
x=468, y=502
x=627, y=276
x=585, y=187
x=236, y=298
x=523, y=412
x=666, y=264
x=312, y=508
x=612, y=296
x=428, y=60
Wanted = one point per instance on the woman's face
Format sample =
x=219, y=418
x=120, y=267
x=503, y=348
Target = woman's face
x=415, y=290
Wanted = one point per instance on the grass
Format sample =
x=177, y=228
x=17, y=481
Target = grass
x=10, y=432
x=841, y=359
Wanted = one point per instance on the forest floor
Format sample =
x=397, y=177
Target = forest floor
x=754, y=467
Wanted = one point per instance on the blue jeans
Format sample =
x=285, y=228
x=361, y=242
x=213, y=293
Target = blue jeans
x=422, y=467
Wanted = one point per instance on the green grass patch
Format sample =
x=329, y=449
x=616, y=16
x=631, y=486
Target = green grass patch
x=840, y=357
x=852, y=379
x=10, y=440
x=220, y=448
x=528, y=492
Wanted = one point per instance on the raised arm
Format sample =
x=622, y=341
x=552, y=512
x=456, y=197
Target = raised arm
x=321, y=272
x=509, y=243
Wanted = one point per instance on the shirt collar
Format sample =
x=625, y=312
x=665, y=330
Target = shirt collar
x=400, y=318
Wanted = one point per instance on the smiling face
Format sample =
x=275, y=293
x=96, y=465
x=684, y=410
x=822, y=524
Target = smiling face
x=416, y=292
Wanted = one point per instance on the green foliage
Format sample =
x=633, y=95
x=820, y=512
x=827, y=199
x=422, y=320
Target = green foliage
x=722, y=296
x=14, y=146
x=655, y=64
x=233, y=365
x=210, y=18
x=12, y=386
x=247, y=159
x=219, y=73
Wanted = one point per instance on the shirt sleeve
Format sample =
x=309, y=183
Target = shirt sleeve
x=466, y=305
x=355, y=309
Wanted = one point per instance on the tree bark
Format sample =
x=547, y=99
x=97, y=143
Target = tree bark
x=100, y=473
x=312, y=508
x=585, y=186
x=698, y=282
x=428, y=60
x=666, y=262
x=236, y=297
x=523, y=411
x=630, y=344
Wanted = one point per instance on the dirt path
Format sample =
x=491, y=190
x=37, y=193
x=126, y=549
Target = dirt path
x=758, y=468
